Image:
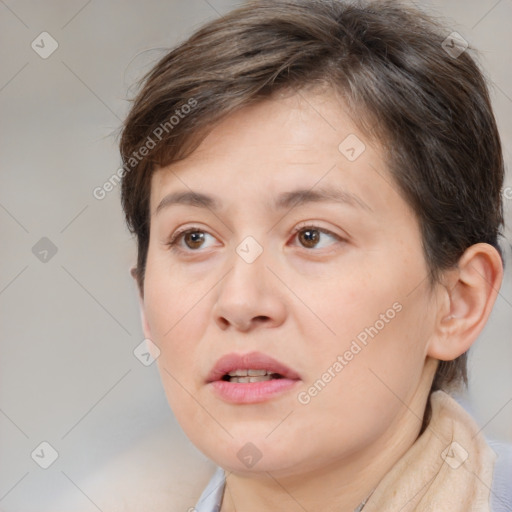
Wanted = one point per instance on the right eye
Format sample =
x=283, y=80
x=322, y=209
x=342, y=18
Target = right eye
x=192, y=237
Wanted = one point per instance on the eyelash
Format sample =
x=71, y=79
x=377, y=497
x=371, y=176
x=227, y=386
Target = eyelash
x=173, y=243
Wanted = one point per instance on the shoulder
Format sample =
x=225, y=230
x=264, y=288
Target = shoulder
x=501, y=492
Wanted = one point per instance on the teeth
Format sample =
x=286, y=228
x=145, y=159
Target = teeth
x=250, y=375
x=260, y=378
x=256, y=373
x=245, y=373
x=238, y=373
x=242, y=380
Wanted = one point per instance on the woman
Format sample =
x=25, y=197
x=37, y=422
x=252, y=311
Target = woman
x=315, y=191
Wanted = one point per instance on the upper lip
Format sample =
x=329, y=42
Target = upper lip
x=251, y=360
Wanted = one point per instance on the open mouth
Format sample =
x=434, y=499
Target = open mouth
x=244, y=376
x=251, y=378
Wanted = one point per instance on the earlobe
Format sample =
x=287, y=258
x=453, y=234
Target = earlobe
x=469, y=294
x=145, y=325
x=144, y=322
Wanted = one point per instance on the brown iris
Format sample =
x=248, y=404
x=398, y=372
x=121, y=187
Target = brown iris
x=309, y=237
x=195, y=237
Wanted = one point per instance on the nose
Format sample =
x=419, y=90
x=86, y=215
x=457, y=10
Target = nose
x=249, y=296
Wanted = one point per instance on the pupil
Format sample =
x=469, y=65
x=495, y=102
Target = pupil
x=195, y=238
x=311, y=237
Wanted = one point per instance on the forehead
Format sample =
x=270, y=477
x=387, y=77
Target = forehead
x=277, y=145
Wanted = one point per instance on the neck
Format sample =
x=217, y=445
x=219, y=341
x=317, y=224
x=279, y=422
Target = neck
x=319, y=491
x=340, y=486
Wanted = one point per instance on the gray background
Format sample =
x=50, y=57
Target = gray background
x=69, y=325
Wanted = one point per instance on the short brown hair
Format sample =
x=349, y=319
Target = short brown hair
x=430, y=109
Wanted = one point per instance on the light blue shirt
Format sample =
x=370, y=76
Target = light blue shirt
x=501, y=492
x=211, y=499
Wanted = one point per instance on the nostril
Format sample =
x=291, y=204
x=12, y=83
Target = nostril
x=224, y=322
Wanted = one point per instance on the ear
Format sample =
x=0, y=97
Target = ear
x=145, y=326
x=468, y=295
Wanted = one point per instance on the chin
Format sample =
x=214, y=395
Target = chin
x=265, y=464
x=250, y=455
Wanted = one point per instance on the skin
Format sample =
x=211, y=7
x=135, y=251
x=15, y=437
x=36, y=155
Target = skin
x=303, y=305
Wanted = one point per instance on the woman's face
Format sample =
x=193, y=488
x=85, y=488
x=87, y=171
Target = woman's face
x=303, y=261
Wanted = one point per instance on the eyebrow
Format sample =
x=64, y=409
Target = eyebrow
x=286, y=200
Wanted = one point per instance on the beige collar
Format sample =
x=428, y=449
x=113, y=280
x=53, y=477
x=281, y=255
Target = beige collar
x=449, y=467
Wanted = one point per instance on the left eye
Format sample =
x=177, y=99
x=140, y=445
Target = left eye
x=309, y=237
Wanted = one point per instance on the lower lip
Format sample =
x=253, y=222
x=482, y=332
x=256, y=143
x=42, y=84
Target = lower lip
x=252, y=392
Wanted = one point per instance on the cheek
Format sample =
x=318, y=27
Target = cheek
x=375, y=381
x=174, y=317
x=174, y=312
x=378, y=328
